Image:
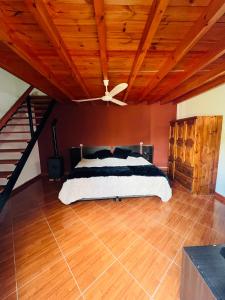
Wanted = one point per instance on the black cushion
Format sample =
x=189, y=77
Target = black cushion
x=121, y=153
x=103, y=154
x=90, y=156
x=135, y=154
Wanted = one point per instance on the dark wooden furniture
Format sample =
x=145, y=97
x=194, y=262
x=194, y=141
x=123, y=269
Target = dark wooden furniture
x=194, y=151
x=77, y=152
x=203, y=273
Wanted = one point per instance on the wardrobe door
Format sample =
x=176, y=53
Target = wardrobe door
x=189, y=147
x=172, y=150
x=183, y=171
x=180, y=138
x=209, y=154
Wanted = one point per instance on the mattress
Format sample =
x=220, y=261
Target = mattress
x=114, y=186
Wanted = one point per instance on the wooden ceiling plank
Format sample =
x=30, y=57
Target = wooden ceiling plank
x=187, y=87
x=101, y=30
x=15, y=65
x=43, y=18
x=205, y=60
x=154, y=18
x=213, y=12
x=21, y=49
x=204, y=88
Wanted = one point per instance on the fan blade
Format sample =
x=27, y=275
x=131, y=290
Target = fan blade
x=118, y=102
x=118, y=88
x=84, y=100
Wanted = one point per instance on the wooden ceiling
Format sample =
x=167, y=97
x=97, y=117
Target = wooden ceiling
x=167, y=50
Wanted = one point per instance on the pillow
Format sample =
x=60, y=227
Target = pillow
x=121, y=153
x=90, y=156
x=135, y=154
x=103, y=154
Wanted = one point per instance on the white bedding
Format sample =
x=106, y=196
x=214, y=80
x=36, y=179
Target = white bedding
x=114, y=186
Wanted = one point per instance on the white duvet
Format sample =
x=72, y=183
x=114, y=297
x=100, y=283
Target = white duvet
x=114, y=186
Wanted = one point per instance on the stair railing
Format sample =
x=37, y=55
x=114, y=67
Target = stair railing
x=4, y=196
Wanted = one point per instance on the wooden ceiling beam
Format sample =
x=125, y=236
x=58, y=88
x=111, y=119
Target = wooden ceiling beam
x=15, y=65
x=190, y=85
x=43, y=18
x=213, y=12
x=8, y=36
x=154, y=18
x=204, y=88
x=101, y=29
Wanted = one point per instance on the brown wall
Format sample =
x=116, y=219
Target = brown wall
x=100, y=124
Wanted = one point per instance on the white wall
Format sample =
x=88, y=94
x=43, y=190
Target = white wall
x=206, y=104
x=11, y=88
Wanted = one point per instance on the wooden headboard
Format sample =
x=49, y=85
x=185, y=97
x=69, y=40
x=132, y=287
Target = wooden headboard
x=76, y=153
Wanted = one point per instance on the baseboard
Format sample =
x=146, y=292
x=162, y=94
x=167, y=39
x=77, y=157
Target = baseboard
x=25, y=185
x=220, y=197
x=165, y=169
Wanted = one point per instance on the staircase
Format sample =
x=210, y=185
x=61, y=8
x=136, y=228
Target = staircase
x=18, y=136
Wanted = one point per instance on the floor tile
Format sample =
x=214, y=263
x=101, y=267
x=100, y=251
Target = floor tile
x=6, y=220
x=85, y=208
x=164, y=239
x=29, y=267
x=177, y=223
x=12, y=296
x=99, y=220
x=186, y=210
x=24, y=220
x=35, y=250
x=54, y=207
x=33, y=239
x=6, y=246
x=118, y=238
x=88, y=262
x=169, y=288
x=213, y=220
x=62, y=219
x=203, y=235
x=145, y=234
x=146, y=264
x=115, y=284
x=7, y=277
x=54, y=283
x=73, y=237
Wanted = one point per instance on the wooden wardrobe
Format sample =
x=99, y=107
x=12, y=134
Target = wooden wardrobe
x=194, y=145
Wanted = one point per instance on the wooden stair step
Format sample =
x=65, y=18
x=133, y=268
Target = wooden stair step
x=14, y=141
x=39, y=97
x=5, y=174
x=7, y=132
x=26, y=112
x=24, y=118
x=11, y=124
x=8, y=161
x=12, y=150
x=38, y=105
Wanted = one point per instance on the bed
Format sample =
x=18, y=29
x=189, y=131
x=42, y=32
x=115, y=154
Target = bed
x=112, y=177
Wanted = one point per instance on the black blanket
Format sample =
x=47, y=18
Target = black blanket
x=146, y=170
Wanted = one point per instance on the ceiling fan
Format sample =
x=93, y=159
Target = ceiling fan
x=108, y=97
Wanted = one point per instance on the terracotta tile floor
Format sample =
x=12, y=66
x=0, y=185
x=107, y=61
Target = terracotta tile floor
x=101, y=249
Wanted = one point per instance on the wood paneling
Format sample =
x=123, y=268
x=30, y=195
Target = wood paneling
x=38, y=9
x=155, y=46
x=207, y=19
